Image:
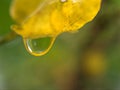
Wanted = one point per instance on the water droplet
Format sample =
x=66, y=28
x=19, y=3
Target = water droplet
x=39, y=47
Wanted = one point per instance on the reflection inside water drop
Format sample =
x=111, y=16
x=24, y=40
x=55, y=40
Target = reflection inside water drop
x=39, y=47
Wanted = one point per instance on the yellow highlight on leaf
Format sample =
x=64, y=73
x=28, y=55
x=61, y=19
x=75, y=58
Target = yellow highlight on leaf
x=49, y=18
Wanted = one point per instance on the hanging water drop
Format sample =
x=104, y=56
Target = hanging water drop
x=39, y=47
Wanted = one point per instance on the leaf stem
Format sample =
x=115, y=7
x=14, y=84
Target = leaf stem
x=7, y=38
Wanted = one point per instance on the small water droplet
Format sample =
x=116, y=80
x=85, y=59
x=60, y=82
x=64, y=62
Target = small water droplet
x=39, y=47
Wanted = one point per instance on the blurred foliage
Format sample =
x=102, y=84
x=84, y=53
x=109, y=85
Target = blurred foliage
x=87, y=60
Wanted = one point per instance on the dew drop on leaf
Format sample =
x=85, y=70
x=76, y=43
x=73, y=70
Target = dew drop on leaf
x=39, y=47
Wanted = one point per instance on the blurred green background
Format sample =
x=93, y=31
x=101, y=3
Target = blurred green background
x=86, y=60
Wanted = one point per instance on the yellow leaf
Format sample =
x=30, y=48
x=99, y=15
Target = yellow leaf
x=52, y=17
x=49, y=18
